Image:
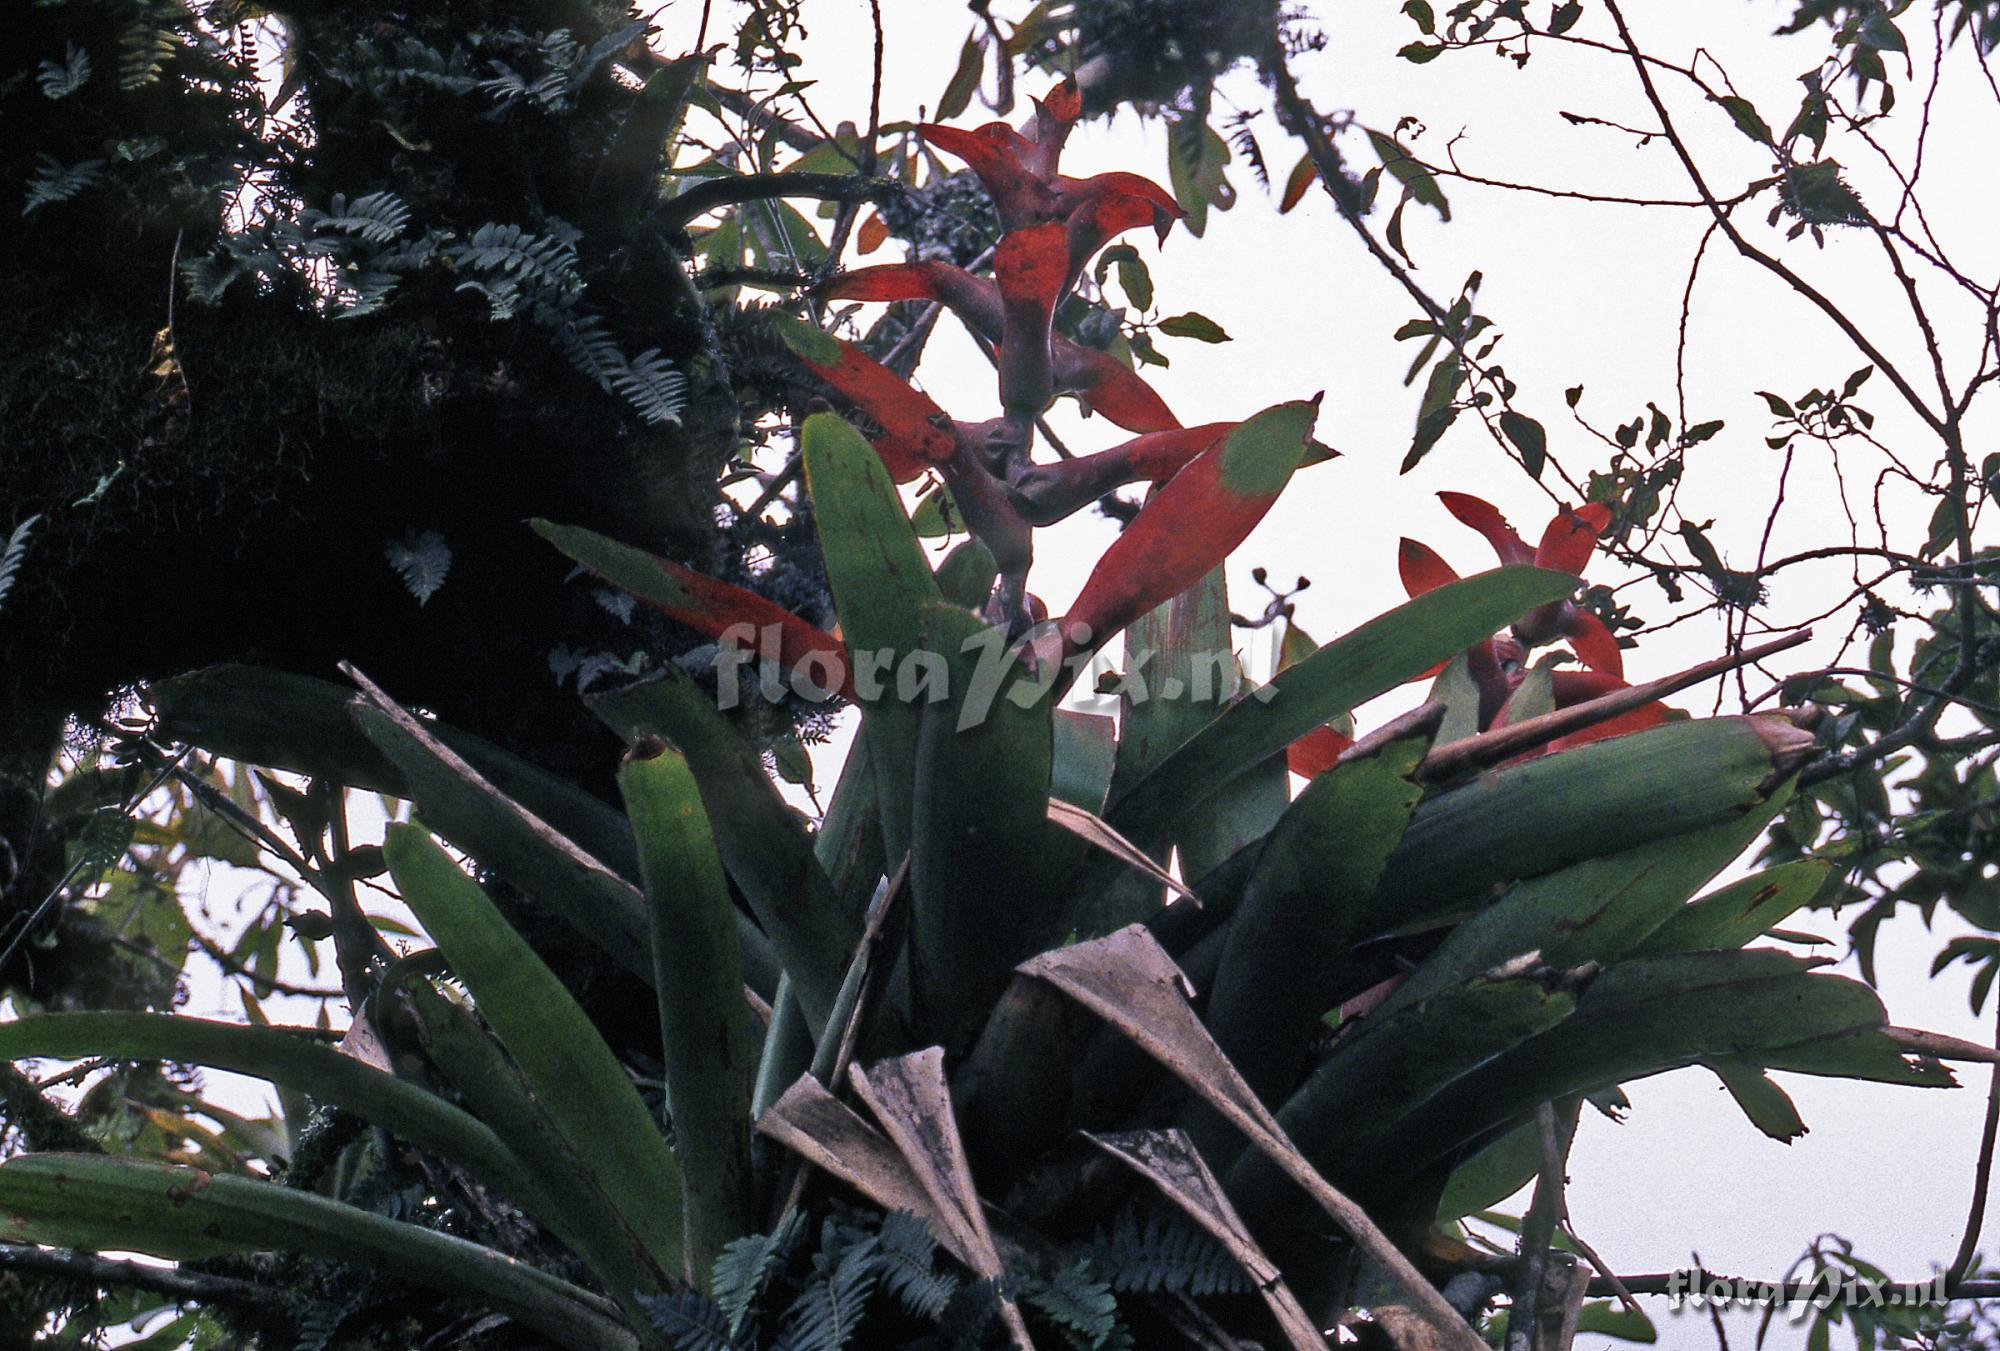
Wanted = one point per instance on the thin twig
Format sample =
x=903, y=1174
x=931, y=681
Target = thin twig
x=1538, y=1231
x=1798, y=284
x=1982, y=1178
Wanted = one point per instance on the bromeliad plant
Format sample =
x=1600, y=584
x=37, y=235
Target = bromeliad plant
x=975, y=994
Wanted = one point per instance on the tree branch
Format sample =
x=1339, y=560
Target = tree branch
x=175, y=1283
x=714, y=193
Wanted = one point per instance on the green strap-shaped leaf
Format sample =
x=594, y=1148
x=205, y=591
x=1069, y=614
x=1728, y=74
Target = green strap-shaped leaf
x=283, y=1058
x=763, y=844
x=1393, y=1070
x=1349, y=671
x=881, y=584
x=97, y=1202
x=981, y=897
x=875, y=567
x=564, y=1060
x=467, y=1057
x=285, y=721
x=1299, y=910
x=1638, y=1018
x=1169, y=643
x=1086, y=746
x=1743, y=911
x=480, y=820
x=1502, y=1168
x=1588, y=802
x=709, y=1050
x=1599, y=910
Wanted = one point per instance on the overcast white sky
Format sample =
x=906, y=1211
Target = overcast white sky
x=1586, y=294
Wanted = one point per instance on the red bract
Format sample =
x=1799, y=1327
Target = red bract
x=1498, y=665
x=1565, y=546
x=1105, y=384
x=1317, y=751
x=915, y=435
x=714, y=608
x=1032, y=268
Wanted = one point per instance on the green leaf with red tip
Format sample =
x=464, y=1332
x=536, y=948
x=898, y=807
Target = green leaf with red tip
x=1192, y=523
x=701, y=602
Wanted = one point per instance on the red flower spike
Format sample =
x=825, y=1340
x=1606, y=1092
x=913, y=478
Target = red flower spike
x=1192, y=523
x=1421, y=569
x=1316, y=752
x=1484, y=517
x=1003, y=159
x=1572, y=535
x=1106, y=384
x=915, y=431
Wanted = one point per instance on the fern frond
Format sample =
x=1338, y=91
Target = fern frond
x=690, y=1321
x=11, y=556
x=421, y=560
x=1166, y=1255
x=503, y=297
x=507, y=86
x=365, y=292
x=515, y=252
x=145, y=47
x=591, y=349
x=57, y=182
x=908, y=1261
x=1078, y=1303
x=652, y=385
x=376, y=218
x=60, y=79
x=828, y=1312
x=745, y=1264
